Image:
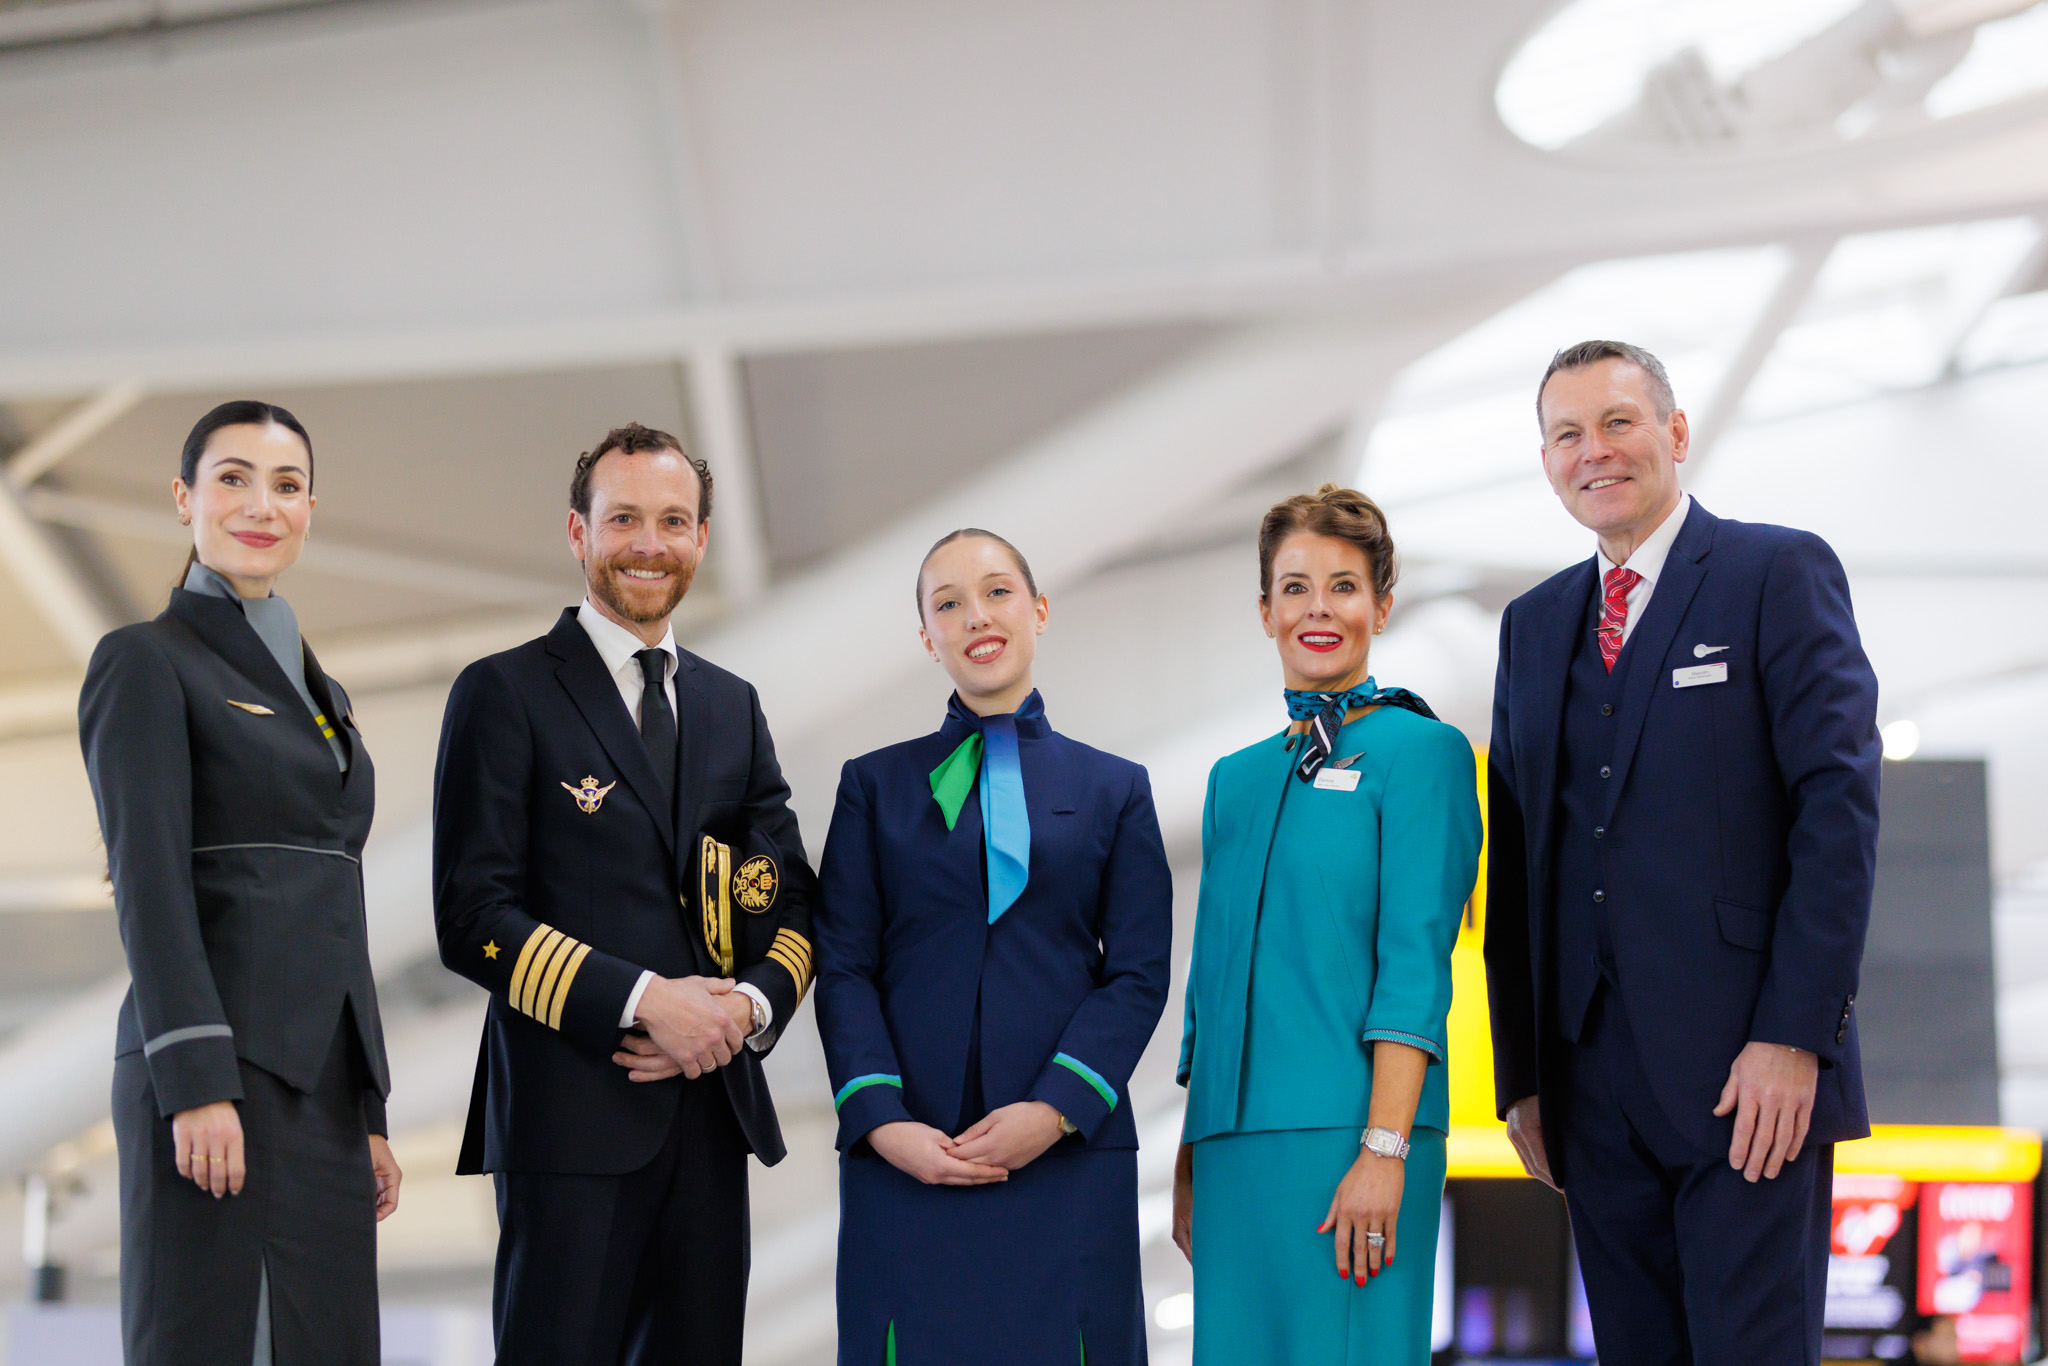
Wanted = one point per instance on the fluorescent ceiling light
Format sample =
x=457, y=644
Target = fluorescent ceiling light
x=1588, y=62
x=2014, y=332
x=2007, y=59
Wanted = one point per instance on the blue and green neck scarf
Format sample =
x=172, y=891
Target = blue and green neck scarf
x=1325, y=713
x=990, y=751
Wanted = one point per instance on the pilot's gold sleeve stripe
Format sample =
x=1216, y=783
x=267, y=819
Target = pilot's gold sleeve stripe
x=561, y=993
x=540, y=932
x=545, y=991
x=523, y=1000
x=792, y=942
x=795, y=973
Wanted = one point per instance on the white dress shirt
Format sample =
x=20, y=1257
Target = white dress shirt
x=1647, y=560
x=619, y=648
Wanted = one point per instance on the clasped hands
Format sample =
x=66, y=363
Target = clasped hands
x=694, y=1025
x=1769, y=1090
x=1001, y=1142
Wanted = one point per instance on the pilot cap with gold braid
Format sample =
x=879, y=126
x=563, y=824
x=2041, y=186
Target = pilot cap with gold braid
x=735, y=889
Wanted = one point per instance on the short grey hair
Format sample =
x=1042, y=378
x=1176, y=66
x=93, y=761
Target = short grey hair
x=1588, y=353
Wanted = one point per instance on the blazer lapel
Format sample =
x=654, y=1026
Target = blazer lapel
x=227, y=633
x=596, y=695
x=1550, y=672
x=690, y=722
x=316, y=684
x=1651, y=640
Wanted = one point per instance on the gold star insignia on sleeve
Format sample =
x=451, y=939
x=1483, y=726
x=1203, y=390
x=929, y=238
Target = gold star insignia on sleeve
x=490, y=950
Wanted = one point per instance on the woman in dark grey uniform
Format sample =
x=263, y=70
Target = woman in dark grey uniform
x=235, y=794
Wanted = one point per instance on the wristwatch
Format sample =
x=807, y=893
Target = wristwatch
x=1067, y=1126
x=760, y=1016
x=1385, y=1143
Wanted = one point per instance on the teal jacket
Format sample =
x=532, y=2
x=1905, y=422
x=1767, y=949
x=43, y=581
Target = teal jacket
x=1326, y=922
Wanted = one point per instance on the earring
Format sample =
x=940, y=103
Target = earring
x=185, y=521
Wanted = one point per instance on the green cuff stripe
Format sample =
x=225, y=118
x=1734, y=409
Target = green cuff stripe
x=1089, y=1075
x=871, y=1079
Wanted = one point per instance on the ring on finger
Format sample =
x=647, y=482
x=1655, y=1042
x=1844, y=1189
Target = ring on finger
x=1376, y=1239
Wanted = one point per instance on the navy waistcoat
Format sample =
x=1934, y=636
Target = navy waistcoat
x=1585, y=910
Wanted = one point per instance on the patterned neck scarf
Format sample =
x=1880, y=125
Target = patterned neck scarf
x=991, y=751
x=1325, y=712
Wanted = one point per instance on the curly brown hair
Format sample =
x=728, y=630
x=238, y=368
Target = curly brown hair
x=1331, y=510
x=632, y=439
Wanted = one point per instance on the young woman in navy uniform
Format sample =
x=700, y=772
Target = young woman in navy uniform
x=994, y=927
x=234, y=795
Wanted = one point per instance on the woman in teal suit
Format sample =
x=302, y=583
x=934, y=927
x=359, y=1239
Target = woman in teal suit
x=1337, y=857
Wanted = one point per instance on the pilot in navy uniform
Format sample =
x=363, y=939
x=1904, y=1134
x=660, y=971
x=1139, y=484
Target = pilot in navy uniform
x=616, y=862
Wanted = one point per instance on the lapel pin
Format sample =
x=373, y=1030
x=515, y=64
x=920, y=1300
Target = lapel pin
x=1702, y=651
x=589, y=796
x=249, y=707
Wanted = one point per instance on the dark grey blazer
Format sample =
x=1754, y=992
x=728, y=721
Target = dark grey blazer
x=235, y=847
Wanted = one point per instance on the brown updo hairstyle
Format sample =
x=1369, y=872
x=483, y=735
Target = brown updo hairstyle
x=1331, y=510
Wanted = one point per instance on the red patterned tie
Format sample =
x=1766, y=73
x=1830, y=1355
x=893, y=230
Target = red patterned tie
x=1614, y=614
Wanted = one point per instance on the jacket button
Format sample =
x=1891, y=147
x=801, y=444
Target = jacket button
x=1599, y=832
x=1850, y=1001
x=1606, y=772
x=1607, y=709
x=1599, y=896
x=1841, y=1036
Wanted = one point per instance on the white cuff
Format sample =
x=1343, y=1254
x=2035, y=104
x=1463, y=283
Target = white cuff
x=759, y=998
x=633, y=1000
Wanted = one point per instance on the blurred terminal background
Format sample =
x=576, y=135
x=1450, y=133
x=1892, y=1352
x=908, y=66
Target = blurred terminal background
x=1109, y=277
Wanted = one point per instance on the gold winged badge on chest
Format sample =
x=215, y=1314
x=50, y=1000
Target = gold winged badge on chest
x=589, y=796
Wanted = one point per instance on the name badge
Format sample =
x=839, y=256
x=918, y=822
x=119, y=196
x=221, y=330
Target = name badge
x=1698, y=674
x=1337, y=779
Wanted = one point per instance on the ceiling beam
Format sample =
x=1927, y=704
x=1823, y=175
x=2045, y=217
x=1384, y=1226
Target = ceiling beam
x=53, y=587
x=70, y=433
x=1299, y=285
x=718, y=417
x=1777, y=314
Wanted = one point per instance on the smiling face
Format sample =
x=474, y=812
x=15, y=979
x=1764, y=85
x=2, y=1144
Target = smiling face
x=249, y=504
x=1322, y=612
x=1611, y=459
x=641, y=544
x=981, y=622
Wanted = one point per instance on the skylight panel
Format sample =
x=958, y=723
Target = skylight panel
x=1462, y=419
x=2007, y=59
x=1888, y=312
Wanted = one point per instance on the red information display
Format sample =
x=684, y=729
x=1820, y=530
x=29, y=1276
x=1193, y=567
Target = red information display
x=1976, y=1263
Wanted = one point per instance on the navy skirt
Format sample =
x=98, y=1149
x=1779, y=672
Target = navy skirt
x=1032, y=1271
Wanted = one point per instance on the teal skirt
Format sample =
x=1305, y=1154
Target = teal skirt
x=1267, y=1291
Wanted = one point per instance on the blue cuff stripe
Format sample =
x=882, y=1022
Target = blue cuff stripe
x=1429, y=1046
x=1089, y=1075
x=871, y=1079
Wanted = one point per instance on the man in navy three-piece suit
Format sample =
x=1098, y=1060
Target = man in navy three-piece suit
x=1683, y=796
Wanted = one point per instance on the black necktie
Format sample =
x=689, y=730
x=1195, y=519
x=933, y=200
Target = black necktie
x=658, y=721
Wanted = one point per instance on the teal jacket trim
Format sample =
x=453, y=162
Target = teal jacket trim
x=1089, y=1075
x=871, y=1079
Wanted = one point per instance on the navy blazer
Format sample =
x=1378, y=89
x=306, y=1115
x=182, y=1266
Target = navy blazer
x=1741, y=834
x=1069, y=982
x=553, y=894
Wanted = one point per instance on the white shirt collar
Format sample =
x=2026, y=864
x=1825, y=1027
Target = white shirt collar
x=617, y=646
x=1648, y=558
